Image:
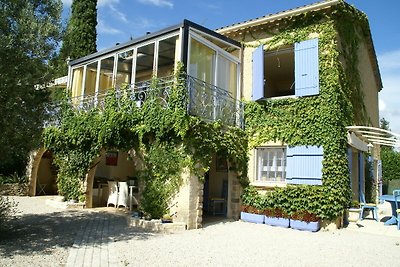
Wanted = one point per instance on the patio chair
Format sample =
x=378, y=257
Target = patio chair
x=368, y=206
x=112, y=193
x=396, y=194
x=123, y=195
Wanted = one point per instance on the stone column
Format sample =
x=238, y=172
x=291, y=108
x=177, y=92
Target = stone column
x=32, y=169
x=187, y=206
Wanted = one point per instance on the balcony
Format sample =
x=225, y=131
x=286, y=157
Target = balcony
x=205, y=101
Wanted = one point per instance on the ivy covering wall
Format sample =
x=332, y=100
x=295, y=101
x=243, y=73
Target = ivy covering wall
x=318, y=120
x=166, y=139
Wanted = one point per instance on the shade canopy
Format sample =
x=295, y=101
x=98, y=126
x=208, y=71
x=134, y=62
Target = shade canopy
x=366, y=136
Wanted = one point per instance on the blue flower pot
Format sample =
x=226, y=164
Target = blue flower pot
x=274, y=221
x=305, y=226
x=251, y=217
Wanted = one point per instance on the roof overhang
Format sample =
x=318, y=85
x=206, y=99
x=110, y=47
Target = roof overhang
x=365, y=137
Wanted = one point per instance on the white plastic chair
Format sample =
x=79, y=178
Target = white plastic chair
x=112, y=193
x=123, y=195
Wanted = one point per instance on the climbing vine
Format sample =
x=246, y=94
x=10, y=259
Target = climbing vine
x=166, y=139
x=318, y=120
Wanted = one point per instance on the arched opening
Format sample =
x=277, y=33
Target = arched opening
x=113, y=173
x=216, y=190
x=46, y=176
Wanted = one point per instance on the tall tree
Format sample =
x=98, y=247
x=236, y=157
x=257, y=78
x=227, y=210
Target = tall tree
x=80, y=35
x=29, y=34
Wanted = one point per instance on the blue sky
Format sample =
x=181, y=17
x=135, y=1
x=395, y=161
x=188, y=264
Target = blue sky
x=118, y=20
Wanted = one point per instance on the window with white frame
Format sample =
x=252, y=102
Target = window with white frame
x=271, y=164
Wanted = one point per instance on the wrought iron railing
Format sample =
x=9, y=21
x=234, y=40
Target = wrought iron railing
x=206, y=101
x=212, y=103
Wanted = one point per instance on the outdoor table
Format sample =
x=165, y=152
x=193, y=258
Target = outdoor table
x=390, y=199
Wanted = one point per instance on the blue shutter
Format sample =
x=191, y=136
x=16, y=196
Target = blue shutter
x=350, y=159
x=258, y=73
x=361, y=172
x=304, y=165
x=306, y=68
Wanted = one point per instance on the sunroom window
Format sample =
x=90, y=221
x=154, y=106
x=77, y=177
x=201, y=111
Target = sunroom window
x=106, y=73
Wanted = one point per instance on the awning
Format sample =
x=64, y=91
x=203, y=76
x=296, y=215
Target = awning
x=364, y=137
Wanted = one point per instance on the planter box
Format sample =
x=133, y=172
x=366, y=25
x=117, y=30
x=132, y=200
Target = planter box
x=274, y=221
x=352, y=215
x=306, y=226
x=251, y=217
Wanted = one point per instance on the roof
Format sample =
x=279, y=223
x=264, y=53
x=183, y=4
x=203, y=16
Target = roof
x=184, y=24
x=277, y=16
x=273, y=18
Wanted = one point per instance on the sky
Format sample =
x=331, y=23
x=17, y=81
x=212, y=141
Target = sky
x=119, y=20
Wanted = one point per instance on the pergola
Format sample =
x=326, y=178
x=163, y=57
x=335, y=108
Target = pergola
x=366, y=137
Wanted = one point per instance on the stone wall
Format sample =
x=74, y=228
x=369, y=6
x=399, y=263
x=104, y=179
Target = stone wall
x=14, y=190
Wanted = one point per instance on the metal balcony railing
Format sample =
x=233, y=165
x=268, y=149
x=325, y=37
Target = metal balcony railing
x=212, y=103
x=206, y=101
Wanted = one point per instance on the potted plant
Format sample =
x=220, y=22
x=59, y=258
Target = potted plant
x=353, y=212
x=305, y=220
x=276, y=217
x=251, y=214
x=251, y=206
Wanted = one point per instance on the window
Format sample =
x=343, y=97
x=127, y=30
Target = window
x=291, y=70
x=106, y=74
x=292, y=165
x=279, y=72
x=271, y=164
x=124, y=68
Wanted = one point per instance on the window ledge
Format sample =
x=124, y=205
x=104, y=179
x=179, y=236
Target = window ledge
x=268, y=184
x=282, y=97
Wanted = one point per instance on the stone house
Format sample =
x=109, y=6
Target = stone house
x=303, y=78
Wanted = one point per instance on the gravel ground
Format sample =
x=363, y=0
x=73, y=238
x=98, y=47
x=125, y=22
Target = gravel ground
x=43, y=235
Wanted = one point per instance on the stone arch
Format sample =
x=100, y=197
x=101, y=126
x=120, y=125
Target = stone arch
x=88, y=184
x=33, y=167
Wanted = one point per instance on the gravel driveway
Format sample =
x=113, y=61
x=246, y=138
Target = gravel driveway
x=43, y=236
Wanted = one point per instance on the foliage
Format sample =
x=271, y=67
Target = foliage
x=166, y=139
x=80, y=35
x=390, y=158
x=318, y=120
x=305, y=216
x=7, y=209
x=14, y=178
x=29, y=32
x=390, y=164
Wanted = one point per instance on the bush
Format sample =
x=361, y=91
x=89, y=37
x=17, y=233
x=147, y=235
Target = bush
x=7, y=210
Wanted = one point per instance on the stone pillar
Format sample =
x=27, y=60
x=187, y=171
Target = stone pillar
x=233, y=202
x=32, y=169
x=88, y=184
x=187, y=206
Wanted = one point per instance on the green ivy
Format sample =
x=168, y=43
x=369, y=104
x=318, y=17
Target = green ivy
x=166, y=139
x=318, y=120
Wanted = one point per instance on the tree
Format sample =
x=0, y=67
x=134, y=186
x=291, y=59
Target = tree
x=390, y=158
x=29, y=35
x=80, y=36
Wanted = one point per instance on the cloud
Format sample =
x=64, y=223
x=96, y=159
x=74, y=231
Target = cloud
x=382, y=105
x=102, y=3
x=67, y=3
x=102, y=27
x=389, y=96
x=159, y=3
x=390, y=61
x=118, y=14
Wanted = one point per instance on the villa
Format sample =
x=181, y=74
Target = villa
x=294, y=81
